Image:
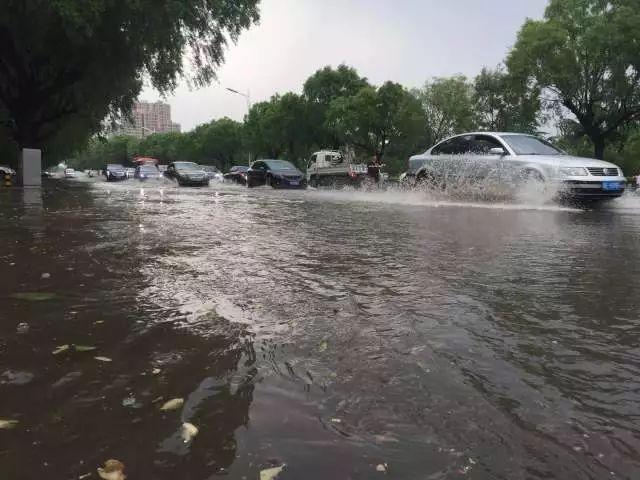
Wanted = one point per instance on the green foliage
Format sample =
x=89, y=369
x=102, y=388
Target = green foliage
x=68, y=64
x=219, y=143
x=327, y=84
x=448, y=106
x=502, y=105
x=584, y=56
x=216, y=143
x=373, y=119
x=280, y=128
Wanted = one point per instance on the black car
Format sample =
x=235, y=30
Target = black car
x=147, y=172
x=276, y=173
x=187, y=173
x=115, y=172
x=237, y=174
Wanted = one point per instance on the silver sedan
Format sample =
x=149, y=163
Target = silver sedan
x=515, y=158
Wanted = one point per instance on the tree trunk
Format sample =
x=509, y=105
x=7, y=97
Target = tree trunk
x=598, y=147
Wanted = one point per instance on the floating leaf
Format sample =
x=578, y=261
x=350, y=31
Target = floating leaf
x=271, y=473
x=84, y=348
x=103, y=359
x=34, y=296
x=172, y=404
x=60, y=349
x=7, y=424
x=189, y=430
x=323, y=346
x=112, y=470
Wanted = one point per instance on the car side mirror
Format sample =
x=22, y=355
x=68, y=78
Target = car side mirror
x=497, y=151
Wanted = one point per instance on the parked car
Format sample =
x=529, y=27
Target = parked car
x=115, y=172
x=276, y=173
x=187, y=173
x=147, y=172
x=516, y=158
x=69, y=173
x=237, y=174
x=213, y=173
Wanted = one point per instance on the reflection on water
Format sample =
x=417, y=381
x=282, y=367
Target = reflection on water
x=331, y=331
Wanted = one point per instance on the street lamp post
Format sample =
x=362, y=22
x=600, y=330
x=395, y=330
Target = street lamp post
x=247, y=97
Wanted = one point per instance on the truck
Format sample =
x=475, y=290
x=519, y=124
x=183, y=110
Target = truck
x=333, y=168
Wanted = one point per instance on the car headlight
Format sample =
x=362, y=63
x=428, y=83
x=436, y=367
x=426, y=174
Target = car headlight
x=574, y=171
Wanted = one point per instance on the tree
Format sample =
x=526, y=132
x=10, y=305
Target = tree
x=448, y=106
x=68, y=64
x=219, y=143
x=323, y=87
x=501, y=104
x=280, y=128
x=584, y=56
x=373, y=118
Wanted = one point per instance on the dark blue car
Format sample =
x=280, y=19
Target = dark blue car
x=275, y=173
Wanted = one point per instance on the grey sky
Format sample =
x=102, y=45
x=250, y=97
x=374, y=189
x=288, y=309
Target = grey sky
x=407, y=41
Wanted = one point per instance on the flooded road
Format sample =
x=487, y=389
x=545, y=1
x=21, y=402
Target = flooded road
x=346, y=335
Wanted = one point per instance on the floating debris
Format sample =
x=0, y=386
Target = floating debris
x=33, y=296
x=189, y=430
x=382, y=467
x=112, y=470
x=131, y=401
x=156, y=371
x=22, y=328
x=172, y=404
x=84, y=348
x=44, y=276
x=271, y=473
x=61, y=349
x=323, y=346
x=12, y=377
x=336, y=420
x=8, y=424
x=103, y=359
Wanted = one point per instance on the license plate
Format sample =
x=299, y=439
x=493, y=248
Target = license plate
x=294, y=182
x=611, y=186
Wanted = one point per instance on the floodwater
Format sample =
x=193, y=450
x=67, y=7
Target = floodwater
x=346, y=335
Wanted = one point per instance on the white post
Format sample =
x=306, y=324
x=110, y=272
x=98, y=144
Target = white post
x=31, y=167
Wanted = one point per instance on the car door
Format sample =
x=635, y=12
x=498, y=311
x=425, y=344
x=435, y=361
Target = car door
x=483, y=162
x=448, y=158
x=257, y=174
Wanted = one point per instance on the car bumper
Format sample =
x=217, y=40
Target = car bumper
x=286, y=183
x=116, y=178
x=200, y=182
x=589, y=187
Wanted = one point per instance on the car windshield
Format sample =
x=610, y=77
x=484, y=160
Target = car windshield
x=115, y=167
x=528, y=145
x=240, y=168
x=187, y=166
x=210, y=168
x=279, y=165
x=148, y=169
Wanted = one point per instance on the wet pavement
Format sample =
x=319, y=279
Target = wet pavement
x=348, y=335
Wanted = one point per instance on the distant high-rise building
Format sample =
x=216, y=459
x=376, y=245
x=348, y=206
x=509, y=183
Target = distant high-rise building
x=148, y=118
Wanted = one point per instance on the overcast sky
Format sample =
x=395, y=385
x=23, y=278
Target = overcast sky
x=407, y=41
